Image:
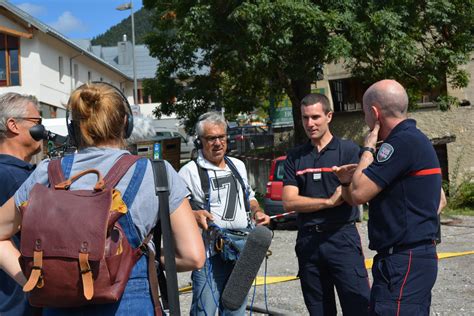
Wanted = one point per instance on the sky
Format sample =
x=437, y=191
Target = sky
x=77, y=19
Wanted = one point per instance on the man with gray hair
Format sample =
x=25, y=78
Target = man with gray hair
x=402, y=181
x=223, y=203
x=18, y=113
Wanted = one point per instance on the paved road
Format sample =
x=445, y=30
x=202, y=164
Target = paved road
x=453, y=293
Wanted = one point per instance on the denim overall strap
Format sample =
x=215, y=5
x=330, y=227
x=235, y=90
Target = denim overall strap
x=66, y=164
x=128, y=197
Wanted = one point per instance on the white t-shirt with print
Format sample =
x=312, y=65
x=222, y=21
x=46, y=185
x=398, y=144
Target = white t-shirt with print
x=227, y=200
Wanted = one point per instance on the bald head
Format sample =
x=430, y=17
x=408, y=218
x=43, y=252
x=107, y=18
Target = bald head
x=389, y=96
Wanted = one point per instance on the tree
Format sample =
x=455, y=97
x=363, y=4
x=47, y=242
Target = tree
x=238, y=53
x=419, y=43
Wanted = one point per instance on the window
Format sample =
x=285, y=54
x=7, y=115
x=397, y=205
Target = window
x=347, y=94
x=61, y=68
x=89, y=77
x=9, y=60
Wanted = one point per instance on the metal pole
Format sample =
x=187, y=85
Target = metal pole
x=135, y=86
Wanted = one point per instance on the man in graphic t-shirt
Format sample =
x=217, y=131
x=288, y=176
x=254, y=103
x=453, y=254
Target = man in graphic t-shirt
x=229, y=204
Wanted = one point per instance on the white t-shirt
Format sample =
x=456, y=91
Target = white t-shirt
x=227, y=199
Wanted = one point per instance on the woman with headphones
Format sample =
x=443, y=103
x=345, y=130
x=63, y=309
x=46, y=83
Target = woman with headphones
x=99, y=120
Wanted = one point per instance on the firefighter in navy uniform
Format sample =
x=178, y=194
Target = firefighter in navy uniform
x=402, y=181
x=328, y=244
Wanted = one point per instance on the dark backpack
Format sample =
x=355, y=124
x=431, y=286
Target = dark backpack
x=74, y=251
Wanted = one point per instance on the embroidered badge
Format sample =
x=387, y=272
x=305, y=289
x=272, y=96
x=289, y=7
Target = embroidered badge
x=385, y=152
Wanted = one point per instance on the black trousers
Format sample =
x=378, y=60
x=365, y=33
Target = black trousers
x=333, y=259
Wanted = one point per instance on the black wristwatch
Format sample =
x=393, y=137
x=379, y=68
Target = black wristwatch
x=369, y=149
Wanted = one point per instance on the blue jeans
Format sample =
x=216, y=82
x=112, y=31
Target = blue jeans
x=208, y=285
x=136, y=299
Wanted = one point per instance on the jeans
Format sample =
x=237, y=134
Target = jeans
x=208, y=285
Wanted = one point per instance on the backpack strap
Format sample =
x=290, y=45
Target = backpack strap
x=204, y=178
x=59, y=170
x=55, y=172
x=236, y=173
x=118, y=170
x=162, y=191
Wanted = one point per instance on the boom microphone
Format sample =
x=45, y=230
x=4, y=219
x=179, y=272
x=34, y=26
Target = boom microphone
x=39, y=132
x=246, y=267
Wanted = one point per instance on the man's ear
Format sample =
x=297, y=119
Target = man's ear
x=329, y=116
x=376, y=112
x=12, y=126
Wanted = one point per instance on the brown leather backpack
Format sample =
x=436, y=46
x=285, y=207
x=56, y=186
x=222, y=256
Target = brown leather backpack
x=73, y=249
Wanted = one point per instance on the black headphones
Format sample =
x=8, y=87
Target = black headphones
x=73, y=137
x=197, y=143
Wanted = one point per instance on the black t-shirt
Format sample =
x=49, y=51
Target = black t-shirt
x=309, y=170
x=405, y=211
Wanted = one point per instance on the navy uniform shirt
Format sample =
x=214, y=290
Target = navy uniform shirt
x=405, y=211
x=13, y=173
x=309, y=170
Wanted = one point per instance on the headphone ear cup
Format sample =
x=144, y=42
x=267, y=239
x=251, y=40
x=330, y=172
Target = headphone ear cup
x=197, y=143
x=71, y=132
x=129, y=127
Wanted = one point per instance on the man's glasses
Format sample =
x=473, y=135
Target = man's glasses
x=213, y=139
x=36, y=120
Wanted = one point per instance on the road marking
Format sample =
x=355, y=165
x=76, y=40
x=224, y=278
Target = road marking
x=368, y=264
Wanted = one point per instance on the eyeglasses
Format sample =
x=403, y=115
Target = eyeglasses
x=213, y=139
x=36, y=120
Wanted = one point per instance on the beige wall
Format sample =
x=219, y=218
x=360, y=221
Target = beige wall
x=468, y=92
x=458, y=122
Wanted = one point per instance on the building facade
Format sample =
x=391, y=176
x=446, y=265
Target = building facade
x=37, y=60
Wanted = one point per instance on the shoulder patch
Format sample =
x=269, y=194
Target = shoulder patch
x=385, y=152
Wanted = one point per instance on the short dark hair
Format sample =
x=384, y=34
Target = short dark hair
x=314, y=98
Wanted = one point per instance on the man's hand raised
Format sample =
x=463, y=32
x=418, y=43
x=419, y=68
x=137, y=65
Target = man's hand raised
x=344, y=173
x=335, y=199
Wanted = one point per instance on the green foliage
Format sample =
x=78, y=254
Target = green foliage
x=142, y=19
x=446, y=102
x=419, y=43
x=463, y=196
x=236, y=53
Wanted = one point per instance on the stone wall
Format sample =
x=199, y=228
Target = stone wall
x=458, y=122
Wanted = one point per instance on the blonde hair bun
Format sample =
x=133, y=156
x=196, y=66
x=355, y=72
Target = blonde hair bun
x=91, y=96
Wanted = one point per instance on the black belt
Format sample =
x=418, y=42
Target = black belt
x=321, y=228
x=401, y=248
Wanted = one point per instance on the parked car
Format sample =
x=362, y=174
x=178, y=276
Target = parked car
x=244, y=138
x=187, y=145
x=272, y=201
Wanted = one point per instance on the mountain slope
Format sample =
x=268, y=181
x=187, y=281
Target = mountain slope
x=115, y=34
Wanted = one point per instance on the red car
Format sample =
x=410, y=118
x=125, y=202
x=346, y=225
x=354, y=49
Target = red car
x=272, y=201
